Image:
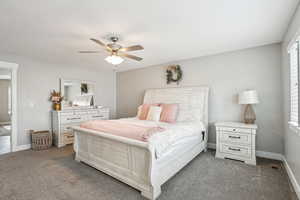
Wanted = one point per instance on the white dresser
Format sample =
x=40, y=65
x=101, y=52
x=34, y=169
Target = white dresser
x=62, y=121
x=236, y=141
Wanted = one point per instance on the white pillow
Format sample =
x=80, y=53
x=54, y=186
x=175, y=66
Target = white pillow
x=154, y=113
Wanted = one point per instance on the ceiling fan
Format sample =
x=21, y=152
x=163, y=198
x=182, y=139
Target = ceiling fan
x=117, y=52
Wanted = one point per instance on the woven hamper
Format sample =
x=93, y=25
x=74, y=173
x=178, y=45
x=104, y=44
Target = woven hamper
x=41, y=140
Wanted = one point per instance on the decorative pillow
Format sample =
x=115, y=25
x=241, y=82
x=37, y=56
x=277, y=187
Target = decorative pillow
x=139, y=111
x=145, y=109
x=169, y=113
x=154, y=113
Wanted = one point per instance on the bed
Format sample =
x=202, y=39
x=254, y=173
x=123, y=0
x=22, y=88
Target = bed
x=147, y=165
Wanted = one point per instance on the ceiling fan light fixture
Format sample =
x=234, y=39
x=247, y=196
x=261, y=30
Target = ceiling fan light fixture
x=113, y=59
x=117, y=52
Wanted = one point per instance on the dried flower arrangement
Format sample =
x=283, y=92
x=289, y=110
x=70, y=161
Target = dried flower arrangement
x=56, y=99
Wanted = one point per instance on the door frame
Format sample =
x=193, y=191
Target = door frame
x=13, y=67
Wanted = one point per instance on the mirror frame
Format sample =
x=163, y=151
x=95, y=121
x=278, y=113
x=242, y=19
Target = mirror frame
x=62, y=90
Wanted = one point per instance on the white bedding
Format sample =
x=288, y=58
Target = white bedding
x=174, y=135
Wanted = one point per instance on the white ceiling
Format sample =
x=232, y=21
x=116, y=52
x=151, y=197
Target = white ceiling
x=170, y=30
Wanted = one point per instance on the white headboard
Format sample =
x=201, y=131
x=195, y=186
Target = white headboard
x=193, y=101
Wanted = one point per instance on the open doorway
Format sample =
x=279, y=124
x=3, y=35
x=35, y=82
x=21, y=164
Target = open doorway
x=8, y=107
x=5, y=111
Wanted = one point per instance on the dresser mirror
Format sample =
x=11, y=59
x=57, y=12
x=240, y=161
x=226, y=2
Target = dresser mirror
x=77, y=93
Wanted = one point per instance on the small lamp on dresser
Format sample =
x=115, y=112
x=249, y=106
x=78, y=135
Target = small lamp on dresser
x=249, y=97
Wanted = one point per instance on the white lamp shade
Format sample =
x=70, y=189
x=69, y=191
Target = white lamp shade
x=248, y=97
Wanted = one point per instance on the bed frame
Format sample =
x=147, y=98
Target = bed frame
x=134, y=162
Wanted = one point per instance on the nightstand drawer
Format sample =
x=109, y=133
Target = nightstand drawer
x=235, y=138
x=235, y=130
x=235, y=150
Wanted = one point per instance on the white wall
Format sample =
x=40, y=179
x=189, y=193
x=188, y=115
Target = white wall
x=292, y=140
x=226, y=74
x=35, y=81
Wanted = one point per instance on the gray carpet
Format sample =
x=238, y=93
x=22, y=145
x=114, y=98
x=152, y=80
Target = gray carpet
x=54, y=175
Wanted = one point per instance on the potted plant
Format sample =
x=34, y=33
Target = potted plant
x=56, y=99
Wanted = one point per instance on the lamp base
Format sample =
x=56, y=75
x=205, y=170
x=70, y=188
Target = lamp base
x=249, y=115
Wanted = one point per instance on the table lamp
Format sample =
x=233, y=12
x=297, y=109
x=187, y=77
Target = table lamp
x=248, y=98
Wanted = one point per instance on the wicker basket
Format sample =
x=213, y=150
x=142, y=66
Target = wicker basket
x=41, y=140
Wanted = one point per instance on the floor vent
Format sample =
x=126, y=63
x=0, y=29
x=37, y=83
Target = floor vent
x=274, y=166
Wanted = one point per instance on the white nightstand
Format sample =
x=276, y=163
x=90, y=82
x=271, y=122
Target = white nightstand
x=236, y=140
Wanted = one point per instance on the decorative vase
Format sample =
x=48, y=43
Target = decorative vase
x=57, y=106
x=249, y=115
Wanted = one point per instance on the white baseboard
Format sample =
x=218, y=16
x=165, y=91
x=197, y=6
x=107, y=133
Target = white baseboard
x=211, y=145
x=292, y=177
x=22, y=147
x=270, y=155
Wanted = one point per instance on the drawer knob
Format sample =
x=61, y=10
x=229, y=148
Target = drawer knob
x=73, y=118
x=233, y=129
x=97, y=116
x=234, y=137
x=234, y=149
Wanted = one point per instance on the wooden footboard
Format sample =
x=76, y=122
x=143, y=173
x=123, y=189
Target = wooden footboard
x=127, y=160
x=130, y=161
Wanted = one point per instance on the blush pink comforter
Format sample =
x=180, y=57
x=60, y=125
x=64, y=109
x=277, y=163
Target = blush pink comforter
x=115, y=127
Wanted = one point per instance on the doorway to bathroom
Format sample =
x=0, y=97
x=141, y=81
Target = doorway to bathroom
x=8, y=107
x=5, y=111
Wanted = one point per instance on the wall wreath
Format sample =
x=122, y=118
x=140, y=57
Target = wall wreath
x=174, y=74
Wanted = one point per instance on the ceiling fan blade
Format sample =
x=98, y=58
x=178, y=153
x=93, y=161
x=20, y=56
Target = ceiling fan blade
x=132, y=48
x=98, y=42
x=130, y=56
x=89, y=51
